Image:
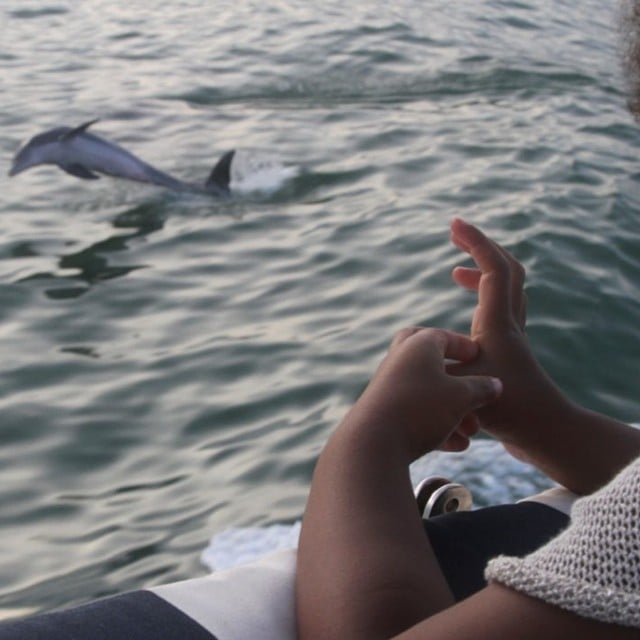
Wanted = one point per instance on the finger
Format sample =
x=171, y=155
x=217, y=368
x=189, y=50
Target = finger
x=455, y=442
x=494, y=289
x=467, y=278
x=517, y=278
x=469, y=426
x=522, y=315
x=451, y=345
x=403, y=334
x=471, y=240
x=482, y=390
x=517, y=274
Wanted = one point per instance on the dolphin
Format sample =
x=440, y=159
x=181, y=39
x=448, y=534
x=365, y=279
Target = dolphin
x=85, y=155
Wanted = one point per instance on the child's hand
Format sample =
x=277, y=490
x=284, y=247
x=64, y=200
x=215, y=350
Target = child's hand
x=414, y=398
x=498, y=328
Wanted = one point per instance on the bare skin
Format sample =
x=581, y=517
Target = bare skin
x=580, y=449
x=350, y=581
x=365, y=568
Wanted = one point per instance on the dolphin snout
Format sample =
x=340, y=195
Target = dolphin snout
x=18, y=166
x=22, y=160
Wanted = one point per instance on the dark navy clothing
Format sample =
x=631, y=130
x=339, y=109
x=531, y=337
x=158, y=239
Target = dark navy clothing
x=138, y=615
x=465, y=541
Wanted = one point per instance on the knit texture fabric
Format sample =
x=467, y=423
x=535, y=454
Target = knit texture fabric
x=593, y=567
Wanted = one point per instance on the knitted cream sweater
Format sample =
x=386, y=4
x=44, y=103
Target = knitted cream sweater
x=593, y=567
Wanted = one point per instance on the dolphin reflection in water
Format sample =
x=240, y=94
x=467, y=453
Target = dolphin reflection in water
x=85, y=155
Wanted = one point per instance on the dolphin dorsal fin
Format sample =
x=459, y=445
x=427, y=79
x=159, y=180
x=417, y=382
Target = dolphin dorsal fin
x=78, y=130
x=220, y=175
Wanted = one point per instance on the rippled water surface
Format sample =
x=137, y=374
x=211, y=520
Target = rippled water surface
x=172, y=364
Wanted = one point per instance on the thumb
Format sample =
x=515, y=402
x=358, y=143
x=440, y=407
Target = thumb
x=483, y=390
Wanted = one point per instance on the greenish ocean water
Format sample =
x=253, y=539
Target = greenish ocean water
x=171, y=365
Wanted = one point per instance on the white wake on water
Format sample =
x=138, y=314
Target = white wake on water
x=257, y=171
x=487, y=470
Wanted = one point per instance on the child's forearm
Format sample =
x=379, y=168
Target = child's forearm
x=580, y=449
x=363, y=555
x=365, y=566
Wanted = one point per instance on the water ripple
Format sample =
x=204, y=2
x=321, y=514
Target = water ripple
x=173, y=364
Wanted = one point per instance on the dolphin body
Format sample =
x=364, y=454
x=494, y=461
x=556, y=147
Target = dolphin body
x=84, y=155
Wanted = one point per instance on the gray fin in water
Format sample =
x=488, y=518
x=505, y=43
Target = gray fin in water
x=78, y=130
x=220, y=176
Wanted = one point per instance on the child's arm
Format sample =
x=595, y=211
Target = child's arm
x=579, y=449
x=365, y=564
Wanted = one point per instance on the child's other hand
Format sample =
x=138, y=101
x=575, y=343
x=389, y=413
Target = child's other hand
x=498, y=327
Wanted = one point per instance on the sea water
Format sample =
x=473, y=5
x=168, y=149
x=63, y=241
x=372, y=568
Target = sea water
x=172, y=364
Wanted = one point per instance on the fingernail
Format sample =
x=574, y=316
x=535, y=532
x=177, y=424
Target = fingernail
x=496, y=383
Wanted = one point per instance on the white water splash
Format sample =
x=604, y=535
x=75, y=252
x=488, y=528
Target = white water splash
x=241, y=545
x=488, y=471
x=256, y=171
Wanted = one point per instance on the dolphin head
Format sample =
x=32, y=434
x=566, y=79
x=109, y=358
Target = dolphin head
x=26, y=158
x=39, y=150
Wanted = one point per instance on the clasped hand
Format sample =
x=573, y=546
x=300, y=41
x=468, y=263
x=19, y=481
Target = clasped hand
x=417, y=401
